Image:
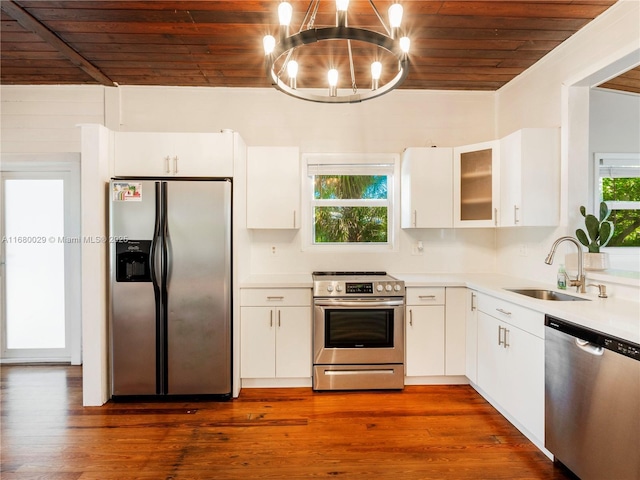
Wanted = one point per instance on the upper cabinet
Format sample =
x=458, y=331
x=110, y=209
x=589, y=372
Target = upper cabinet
x=530, y=178
x=174, y=154
x=426, y=179
x=476, y=187
x=273, y=187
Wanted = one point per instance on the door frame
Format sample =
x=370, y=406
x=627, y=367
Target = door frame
x=68, y=166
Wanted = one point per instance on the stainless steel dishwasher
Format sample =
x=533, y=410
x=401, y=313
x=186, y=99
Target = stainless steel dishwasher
x=592, y=401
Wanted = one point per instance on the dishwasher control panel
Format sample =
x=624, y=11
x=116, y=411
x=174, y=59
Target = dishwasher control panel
x=623, y=348
x=617, y=345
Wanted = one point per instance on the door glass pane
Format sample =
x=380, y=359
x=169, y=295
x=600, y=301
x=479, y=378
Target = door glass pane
x=34, y=246
x=475, y=185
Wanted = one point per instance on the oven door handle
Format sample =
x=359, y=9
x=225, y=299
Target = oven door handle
x=360, y=302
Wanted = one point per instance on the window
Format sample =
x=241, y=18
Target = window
x=618, y=184
x=351, y=199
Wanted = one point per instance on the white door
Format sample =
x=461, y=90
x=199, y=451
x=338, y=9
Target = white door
x=40, y=260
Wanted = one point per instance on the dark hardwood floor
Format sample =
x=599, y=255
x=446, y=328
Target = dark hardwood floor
x=430, y=432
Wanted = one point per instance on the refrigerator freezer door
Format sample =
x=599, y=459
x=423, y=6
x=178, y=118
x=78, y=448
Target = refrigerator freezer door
x=199, y=289
x=133, y=308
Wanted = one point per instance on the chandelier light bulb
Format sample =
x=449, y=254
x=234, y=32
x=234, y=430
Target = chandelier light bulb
x=269, y=43
x=395, y=15
x=405, y=43
x=333, y=82
x=376, y=70
x=342, y=5
x=333, y=77
x=285, y=12
x=292, y=69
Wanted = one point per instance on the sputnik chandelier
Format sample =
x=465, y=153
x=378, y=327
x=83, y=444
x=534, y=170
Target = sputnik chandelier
x=283, y=54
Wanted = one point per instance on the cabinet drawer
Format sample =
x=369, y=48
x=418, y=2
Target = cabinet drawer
x=425, y=296
x=259, y=297
x=528, y=320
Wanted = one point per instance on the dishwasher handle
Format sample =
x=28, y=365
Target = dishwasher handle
x=589, y=347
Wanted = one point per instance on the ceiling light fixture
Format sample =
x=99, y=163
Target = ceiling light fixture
x=279, y=55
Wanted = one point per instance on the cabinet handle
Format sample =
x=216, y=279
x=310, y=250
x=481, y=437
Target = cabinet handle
x=271, y=299
x=415, y=218
x=495, y=217
x=166, y=164
x=505, y=344
x=499, y=335
x=504, y=312
x=473, y=301
x=427, y=297
x=515, y=214
x=410, y=317
x=279, y=323
x=294, y=219
x=175, y=164
x=271, y=318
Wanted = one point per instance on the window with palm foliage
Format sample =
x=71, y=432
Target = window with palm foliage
x=350, y=209
x=619, y=187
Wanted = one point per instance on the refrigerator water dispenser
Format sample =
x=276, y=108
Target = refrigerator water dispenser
x=132, y=261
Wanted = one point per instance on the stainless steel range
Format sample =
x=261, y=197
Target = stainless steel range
x=358, y=331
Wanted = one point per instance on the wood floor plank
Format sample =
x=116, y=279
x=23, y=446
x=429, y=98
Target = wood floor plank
x=428, y=432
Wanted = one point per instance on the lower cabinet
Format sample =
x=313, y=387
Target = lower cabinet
x=434, y=331
x=510, y=362
x=275, y=333
x=471, y=340
x=424, y=340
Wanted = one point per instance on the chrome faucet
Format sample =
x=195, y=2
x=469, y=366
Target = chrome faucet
x=580, y=281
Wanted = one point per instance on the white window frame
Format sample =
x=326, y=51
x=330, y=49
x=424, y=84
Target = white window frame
x=351, y=164
x=616, y=163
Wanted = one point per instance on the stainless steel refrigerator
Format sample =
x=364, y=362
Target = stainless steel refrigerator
x=170, y=254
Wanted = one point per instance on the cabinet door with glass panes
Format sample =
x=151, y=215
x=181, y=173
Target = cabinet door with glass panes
x=476, y=185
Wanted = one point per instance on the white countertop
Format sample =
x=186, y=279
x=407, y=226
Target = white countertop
x=612, y=316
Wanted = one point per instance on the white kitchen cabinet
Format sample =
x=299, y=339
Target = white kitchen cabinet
x=455, y=334
x=530, y=178
x=426, y=188
x=425, y=331
x=511, y=361
x=275, y=333
x=273, y=187
x=476, y=184
x=425, y=340
x=471, y=344
x=155, y=154
x=435, y=331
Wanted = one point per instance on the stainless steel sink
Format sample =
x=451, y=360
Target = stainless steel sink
x=546, y=295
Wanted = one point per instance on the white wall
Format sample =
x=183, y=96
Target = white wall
x=44, y=119
x=267, y=117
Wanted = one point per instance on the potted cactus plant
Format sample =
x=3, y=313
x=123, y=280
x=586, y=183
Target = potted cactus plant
x=597, y=233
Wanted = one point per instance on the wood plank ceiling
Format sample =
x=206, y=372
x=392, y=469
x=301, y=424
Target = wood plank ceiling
x=459, y=45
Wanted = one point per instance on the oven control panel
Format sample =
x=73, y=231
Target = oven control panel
x=358, y=287
x=388, y=287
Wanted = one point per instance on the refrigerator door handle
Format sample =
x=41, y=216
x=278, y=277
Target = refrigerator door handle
x=153, y=260
x=164, y=233
x=162, y=345
x=156, y=266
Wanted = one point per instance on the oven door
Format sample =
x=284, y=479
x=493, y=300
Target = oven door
x=358, y=331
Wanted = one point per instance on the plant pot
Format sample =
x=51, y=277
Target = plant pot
x=595, y=261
